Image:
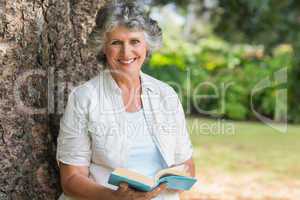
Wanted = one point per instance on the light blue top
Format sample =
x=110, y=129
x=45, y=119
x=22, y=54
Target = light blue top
x=144, y=157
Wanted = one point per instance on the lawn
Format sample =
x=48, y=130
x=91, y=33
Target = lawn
x=245, y=147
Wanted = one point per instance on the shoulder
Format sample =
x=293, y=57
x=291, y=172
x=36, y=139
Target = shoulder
x=86, y=91
x=169, y=101
x=158, y=86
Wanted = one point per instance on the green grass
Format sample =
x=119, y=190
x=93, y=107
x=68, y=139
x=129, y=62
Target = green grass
x=243, y=147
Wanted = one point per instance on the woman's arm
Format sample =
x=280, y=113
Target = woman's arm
x=75, y=183
x=190, y=167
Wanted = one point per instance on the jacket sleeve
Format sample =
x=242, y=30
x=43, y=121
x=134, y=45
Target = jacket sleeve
x=183, y=149
x=73, y=142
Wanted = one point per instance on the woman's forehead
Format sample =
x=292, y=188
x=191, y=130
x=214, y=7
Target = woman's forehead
x=122, y=32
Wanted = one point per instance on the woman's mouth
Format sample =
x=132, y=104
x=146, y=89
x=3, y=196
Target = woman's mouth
x=127, y=61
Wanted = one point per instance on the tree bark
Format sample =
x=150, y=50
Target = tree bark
x=42, y=56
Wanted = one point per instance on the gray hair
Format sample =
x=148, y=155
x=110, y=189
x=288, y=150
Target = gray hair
x=125, y=13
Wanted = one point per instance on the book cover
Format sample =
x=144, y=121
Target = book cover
x=174, y=179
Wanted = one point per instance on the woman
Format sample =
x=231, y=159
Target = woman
x=122, y=117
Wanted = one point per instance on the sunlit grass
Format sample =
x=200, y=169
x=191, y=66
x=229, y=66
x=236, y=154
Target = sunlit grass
x=241, y=147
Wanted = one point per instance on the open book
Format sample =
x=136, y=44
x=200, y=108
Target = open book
x=174, y=177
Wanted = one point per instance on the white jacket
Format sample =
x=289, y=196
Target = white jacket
x=93, y=131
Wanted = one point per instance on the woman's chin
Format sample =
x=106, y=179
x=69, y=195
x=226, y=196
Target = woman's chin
x=129, y=68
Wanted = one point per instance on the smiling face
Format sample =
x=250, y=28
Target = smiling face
x=125, y=50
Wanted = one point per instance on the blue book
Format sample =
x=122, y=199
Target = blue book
x=173, y=177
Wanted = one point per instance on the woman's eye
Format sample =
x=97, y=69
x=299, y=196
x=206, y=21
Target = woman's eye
x=135, y=41
x=115, y=42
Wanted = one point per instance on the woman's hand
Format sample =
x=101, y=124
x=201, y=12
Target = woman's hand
x=124, y=192
x=189, y=168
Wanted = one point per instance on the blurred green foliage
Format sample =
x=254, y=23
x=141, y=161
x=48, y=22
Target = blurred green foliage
x=217, y=73
x=269, y=22
x=227, y=73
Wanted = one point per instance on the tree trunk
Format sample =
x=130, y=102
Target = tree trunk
x=42, y=56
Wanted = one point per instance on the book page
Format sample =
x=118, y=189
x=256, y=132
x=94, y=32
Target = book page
x=176, y=170
x=134, y=176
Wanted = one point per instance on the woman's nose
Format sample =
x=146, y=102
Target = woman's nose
x=126, y=50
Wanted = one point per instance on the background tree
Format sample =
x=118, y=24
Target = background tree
x=42, y=56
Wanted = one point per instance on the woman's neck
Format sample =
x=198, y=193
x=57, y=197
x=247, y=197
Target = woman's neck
x=127, y=83
x=131, y=91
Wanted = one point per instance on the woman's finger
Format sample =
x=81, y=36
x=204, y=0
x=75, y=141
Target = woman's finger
x=158, y=190
x=123, y=187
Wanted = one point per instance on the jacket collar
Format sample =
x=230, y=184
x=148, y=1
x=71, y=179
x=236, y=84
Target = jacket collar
x=147, y=82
